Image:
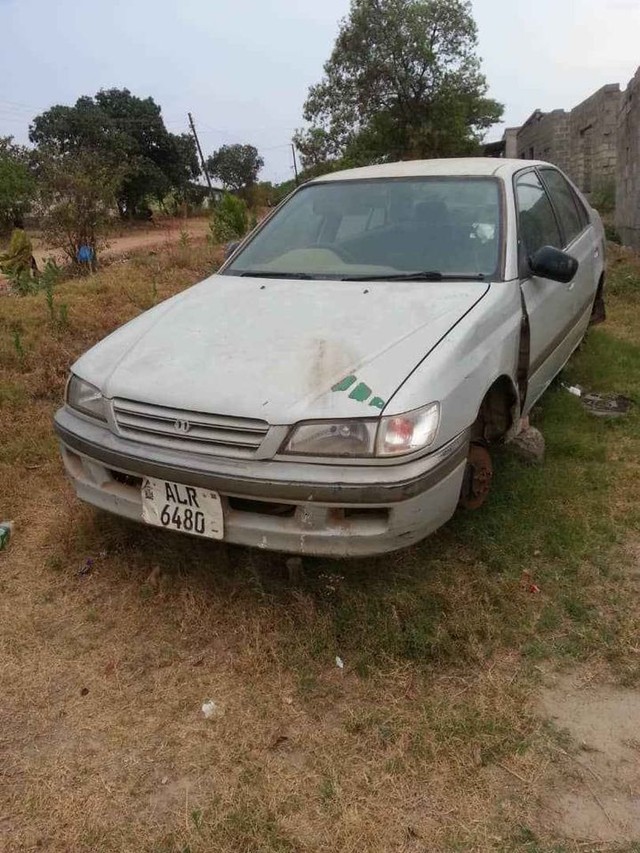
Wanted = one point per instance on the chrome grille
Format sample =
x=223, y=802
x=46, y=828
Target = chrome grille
x=198, y=432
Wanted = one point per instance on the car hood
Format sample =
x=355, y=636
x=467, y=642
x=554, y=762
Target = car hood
x=278, y=350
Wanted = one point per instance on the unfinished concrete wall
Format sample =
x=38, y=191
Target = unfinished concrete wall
x=597, y=144
x=582, y=142
x=593, y=143
x=628, y=166
x=510, y=138
x=546, y=136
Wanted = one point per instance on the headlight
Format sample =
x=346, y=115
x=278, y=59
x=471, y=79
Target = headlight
x=391, y=436
x=86, y=398
x=341, y=438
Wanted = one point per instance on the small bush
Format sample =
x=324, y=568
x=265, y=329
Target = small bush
x=612, y=234
x=603, y=197
x=18, y=345
x=230, y=219
x=17, y=262
x=78, y=198
x=22, y=282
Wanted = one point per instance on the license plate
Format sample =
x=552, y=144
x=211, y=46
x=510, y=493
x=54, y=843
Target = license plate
x=184, y=508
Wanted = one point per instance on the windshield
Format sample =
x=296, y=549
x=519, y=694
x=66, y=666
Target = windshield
x=381, y=228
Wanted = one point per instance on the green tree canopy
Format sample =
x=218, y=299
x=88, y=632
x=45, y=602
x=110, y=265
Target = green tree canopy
x=403, y=82
x=236, y=166
x=123, y=127
x=17, y=185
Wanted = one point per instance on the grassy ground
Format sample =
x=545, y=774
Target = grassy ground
x=430, y=739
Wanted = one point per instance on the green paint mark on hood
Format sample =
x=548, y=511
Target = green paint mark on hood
x=344, y=384
x=361, y=392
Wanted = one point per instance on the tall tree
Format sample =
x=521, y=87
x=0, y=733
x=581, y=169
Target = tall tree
x=236, y=166
x=403, y=82
x=121, y=126
x=16, y=181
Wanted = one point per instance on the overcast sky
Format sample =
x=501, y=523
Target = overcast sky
x=242, y=67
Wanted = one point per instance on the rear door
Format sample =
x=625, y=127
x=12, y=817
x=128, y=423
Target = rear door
x=549, y=305
x=579, y=240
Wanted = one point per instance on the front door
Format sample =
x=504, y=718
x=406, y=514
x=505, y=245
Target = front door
x=580, y=240
x=549, y=304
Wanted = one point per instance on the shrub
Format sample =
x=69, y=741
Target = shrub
x=230, y=219
x=612, y=234
x=18, y=257
x=603, y=197
x=24, y=284
x=77, y=194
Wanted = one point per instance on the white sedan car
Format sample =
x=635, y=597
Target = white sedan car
x=336, y=387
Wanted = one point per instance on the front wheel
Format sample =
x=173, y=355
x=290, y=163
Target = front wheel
x=478, y=475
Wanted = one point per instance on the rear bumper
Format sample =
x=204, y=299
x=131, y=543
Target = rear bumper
x=297, y=507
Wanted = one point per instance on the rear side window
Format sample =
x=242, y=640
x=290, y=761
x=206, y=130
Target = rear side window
x=565, y=203
x=537, y=223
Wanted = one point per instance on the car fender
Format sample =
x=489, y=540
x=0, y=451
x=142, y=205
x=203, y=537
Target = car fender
x=482, y=348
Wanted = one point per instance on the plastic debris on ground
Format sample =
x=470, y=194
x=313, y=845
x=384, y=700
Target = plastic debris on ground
x=86, y=567
x=601, y=405
x=526, y=582
x=339, y=663
x=209, y=709
x=6, y=529
x=607, y=405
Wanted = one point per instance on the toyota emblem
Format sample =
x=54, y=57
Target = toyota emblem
x=182, y=426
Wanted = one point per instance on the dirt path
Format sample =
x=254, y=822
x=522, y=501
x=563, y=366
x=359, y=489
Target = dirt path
x=594, y=797
x=155, y=236
x=167, y=231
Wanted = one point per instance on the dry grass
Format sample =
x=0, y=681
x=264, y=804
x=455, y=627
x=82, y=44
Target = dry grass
x=427, y=741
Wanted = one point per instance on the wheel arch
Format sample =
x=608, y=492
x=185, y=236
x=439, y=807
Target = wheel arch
x=498, y=413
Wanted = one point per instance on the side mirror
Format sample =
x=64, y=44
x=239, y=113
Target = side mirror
x=554, y=264
x=230, y=248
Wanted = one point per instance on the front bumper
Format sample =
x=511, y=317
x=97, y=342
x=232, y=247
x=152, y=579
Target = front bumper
x=293, y=506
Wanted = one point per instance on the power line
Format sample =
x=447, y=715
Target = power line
x=19, y=113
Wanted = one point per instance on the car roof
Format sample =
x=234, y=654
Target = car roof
x=454, y=167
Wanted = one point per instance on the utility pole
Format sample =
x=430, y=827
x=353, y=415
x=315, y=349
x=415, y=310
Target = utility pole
x=295, y=165
x=204, y=167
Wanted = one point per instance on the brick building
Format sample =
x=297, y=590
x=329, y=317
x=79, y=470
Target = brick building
x=593, y=140
x=628, y=166
x=582, y=142
x=596, y=143
x=545, y=136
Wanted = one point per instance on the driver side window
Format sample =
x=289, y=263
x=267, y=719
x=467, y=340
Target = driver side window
x=537, y=224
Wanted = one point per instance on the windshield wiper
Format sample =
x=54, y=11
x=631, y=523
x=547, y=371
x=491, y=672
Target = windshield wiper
x=421, y=275
x=269, y=274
